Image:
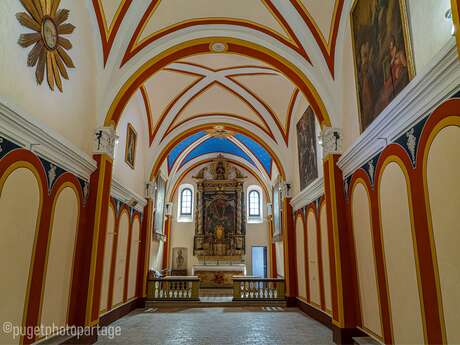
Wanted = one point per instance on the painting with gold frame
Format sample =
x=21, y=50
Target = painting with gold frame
x=382, y=54
x=130, y=149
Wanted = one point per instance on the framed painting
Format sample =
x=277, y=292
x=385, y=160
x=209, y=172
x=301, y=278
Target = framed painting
x=306, y=144
x=180, y=255
x=130, y=149
x=277, y=209
x=159, y=205
x=382, y=54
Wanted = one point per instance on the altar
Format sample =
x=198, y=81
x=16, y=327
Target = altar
x=218, y=276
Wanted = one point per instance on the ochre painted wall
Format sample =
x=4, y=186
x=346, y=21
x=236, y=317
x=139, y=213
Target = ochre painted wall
x=18, y=236
x=313, y=260
x=300, y=256
x=367, y=281
x=120, y=263
x=325, y=257
x=133, y=256
x=400, y=262
x=110, y=232
x=60, y=259
x=443, y=187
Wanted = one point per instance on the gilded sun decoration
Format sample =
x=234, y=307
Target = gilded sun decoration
x=49, y=50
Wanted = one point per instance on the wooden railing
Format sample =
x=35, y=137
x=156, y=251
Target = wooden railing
x=258, y=289
x=176, y=288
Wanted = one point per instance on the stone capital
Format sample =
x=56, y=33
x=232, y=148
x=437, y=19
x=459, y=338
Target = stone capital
x=332, y=141
x=104, y=141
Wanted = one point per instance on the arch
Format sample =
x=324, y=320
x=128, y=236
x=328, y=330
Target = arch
x=300, y=239
x=322, y=221
x=120, y=257
x=61, y=253
x=165, y=151
x=197, y=164
x=202, y=45
x=133, y=256
x=108, y=248
x=368, y=287
x=18, y=242
x=439, y=133
x=313, y=257
x=401, y=263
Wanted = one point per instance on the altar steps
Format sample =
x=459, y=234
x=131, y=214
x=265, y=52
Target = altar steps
x=215, y=304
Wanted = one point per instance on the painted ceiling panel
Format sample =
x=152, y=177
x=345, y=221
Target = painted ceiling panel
x=110, y=8
x=217, y=145
x=275, y=91
x=163, y=87
x=218, y=100
x=321, y=11
x=257, y=150
x=171, y=12
x=180, y=147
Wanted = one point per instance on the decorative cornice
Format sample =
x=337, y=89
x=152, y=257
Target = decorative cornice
x=436, y=82
x=309, y=194
x=127, y=196
x=27, y=132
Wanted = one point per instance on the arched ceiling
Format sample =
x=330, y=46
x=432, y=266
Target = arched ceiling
x=213, y=86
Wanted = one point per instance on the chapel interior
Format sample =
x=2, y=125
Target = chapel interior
x=229, y=171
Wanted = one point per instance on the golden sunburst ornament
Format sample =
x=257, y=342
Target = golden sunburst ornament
x=49, y=51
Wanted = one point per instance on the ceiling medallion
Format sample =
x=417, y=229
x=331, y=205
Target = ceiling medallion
x=49, y=50
x=219, y=132
x=218, y=47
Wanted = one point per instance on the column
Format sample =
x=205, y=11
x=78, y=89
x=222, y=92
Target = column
x=342, y=265
x=289, y=247
x=103, y=150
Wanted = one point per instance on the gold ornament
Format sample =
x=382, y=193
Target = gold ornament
x=49, y=50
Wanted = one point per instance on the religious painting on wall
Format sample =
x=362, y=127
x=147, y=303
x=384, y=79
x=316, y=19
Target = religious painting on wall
x=277, y=211
x=220, y=213
x=159, y=205
x=382, y=54
x=306, y=143
x=130, y=150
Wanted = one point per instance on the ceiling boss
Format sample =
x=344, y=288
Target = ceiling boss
x=49, y=50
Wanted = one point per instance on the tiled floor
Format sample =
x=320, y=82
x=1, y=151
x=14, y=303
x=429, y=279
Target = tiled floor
x=222, y=326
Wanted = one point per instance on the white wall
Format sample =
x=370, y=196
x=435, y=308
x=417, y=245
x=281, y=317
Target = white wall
x=134, y=114
x=182, y=234
x=72, y=113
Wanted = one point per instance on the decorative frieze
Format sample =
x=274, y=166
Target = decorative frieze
x=104, y=141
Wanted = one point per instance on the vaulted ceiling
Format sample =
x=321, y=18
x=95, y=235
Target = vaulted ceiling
x=220, y=87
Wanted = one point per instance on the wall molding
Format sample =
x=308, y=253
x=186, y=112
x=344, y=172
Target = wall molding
x=120, y=192
x=433, y=84
x=309, y=194
x=29, y=133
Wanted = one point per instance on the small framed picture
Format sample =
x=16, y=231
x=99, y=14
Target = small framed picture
x=130, y=150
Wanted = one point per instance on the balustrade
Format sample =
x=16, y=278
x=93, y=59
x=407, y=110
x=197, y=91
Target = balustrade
x=174, y=288
x=258, y=289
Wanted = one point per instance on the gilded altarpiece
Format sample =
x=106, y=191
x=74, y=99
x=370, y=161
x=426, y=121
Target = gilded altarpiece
x=220, y=213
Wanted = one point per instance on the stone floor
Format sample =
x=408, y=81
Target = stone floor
x=220, y=326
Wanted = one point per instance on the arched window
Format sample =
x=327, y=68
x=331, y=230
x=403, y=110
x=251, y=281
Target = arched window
x=185, y=203
x=254, y=203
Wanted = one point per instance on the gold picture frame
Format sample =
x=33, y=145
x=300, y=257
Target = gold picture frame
x=130, y=147
x=390, y=86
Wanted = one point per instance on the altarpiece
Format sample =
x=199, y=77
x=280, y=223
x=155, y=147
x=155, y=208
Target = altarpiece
x=220, y=213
